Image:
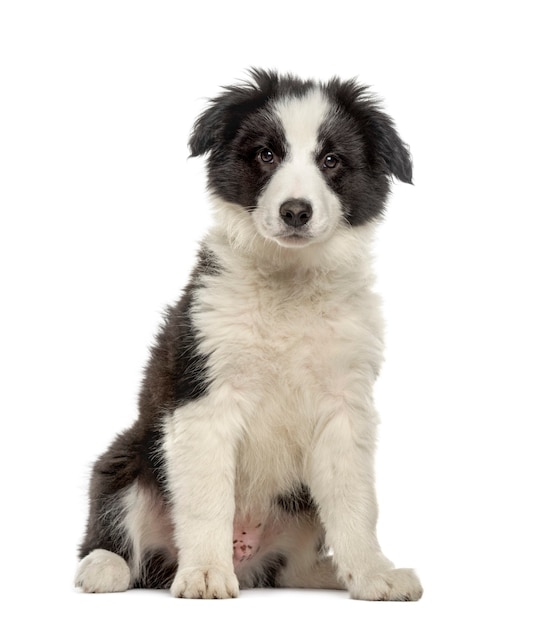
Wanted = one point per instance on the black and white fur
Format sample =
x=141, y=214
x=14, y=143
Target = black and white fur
x=252, y=456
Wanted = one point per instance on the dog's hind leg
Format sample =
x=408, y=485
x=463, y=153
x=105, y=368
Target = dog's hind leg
x=307, y=565
x=318, y=573
x=107, y=552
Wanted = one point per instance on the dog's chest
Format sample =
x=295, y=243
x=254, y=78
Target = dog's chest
x=266, y=331
x=284, y=340
x=282, y=347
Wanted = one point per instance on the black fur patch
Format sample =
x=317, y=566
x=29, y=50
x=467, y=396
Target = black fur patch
x=218, y=125
x=157, y=572
x=298, y=501
x=369, y=149
x=268, y=575
x=176, y=373
x=233, y=129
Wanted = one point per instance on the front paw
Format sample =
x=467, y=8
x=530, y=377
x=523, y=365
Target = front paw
x=393, y=584
x=205, y=582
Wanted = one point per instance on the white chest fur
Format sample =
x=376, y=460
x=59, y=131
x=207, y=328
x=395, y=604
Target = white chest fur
x=287, y=345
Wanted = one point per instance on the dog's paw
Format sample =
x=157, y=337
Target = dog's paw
x=205, y=582
x=102, y=571
x=393, y=584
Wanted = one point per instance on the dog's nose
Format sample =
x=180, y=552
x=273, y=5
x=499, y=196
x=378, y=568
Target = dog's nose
x=296, y=212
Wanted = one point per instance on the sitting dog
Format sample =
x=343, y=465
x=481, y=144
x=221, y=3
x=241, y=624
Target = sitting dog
x=251, y=461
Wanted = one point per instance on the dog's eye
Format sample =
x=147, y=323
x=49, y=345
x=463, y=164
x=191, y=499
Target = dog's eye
x=330, y=161
x=266, y=155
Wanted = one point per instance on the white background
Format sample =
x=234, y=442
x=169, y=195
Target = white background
x=101, y=211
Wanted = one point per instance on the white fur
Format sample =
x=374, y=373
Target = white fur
x=102, y=571
x=147, y=524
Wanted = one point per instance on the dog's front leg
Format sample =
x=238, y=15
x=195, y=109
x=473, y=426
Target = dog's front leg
x=341, y=478
x=200, y=447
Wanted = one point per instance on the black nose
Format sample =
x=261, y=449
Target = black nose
x=296, y=212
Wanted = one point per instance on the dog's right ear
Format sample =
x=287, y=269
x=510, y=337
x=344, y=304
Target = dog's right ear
x=209, y=128
x=219, y=123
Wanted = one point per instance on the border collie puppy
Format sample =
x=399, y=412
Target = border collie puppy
x=251, y=461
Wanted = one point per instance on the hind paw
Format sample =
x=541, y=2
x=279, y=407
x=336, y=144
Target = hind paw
x=102, y=571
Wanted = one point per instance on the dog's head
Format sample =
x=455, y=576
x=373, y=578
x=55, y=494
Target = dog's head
x=301, y=157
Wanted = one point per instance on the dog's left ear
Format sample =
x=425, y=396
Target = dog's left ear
x=386, y=152
x=392, y=153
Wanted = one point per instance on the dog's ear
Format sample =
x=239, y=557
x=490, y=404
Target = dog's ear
x=389, y=149
x=386, y=152
x=219, y=123
x=210, y=127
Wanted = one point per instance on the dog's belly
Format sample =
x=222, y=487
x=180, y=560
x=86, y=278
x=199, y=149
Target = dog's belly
x=247, y=541
x=257, y=537
x=260, y=544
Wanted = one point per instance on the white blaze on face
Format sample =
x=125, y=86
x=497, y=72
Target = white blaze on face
x=301, y=119
x=298, y=177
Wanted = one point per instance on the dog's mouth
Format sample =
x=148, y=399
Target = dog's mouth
x=293, y=240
